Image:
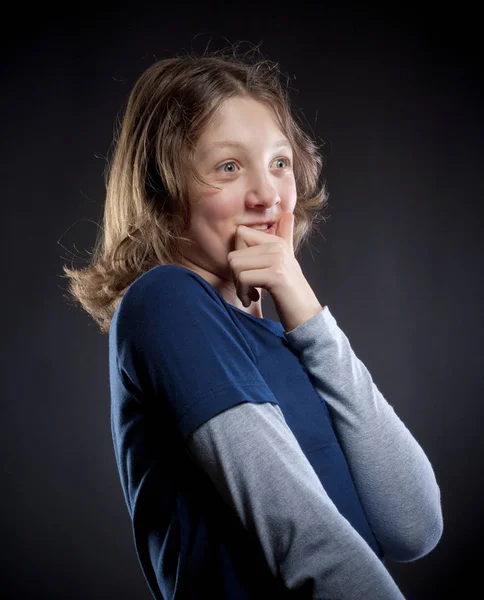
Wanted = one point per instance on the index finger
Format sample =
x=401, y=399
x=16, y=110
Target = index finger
x=240, y=244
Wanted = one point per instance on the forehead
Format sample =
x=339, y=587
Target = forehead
x=241, y=118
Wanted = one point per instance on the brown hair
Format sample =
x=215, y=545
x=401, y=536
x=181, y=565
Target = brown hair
x=147, y=209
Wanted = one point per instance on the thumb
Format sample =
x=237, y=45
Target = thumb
x=285, y=229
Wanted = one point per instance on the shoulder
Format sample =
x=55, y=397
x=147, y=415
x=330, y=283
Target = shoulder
x=168, y=293
x=164, y=276
x=165, y=283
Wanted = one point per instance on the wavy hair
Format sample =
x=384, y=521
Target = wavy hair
x=146, y=207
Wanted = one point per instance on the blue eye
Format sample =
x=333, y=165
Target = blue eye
x=288, y=162
x=225, y=164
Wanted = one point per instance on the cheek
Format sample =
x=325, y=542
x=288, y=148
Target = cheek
x=217, y=205
x=213, y=219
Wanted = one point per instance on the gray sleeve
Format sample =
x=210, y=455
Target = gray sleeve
x=393, y=476
x=257, y=465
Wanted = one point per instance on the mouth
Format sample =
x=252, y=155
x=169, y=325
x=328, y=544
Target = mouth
x=266, y=227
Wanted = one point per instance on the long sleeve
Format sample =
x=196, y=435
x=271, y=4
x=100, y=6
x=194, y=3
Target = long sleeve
x=257, y=465
x=393, y=476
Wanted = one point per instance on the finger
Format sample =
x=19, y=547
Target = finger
x=249, y=273
x=246, y=293
x=249, y=284
x=241, y=291
x=249, y=295
x=285, y=229
x=240, y=243
x=246, y=237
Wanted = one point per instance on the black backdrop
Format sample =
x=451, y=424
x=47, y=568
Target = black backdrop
x=396, y=97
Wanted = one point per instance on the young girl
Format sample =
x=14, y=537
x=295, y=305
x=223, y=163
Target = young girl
x=258, y=459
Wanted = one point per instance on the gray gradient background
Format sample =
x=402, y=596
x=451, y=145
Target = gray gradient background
x=396, y=98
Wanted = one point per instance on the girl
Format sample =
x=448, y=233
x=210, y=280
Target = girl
x=258, y=459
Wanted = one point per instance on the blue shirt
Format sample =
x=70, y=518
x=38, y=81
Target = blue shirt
x=179, y=356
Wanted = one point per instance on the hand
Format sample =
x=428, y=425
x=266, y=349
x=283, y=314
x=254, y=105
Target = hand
x=261, y=260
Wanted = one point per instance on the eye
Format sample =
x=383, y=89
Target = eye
x=225, y=164
x=286, y=160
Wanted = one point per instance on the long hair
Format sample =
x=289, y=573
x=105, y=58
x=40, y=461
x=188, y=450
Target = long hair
x=146, y=208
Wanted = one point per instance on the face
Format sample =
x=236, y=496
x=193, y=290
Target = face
x=255, y=180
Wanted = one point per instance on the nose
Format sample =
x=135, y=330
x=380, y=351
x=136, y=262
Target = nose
x=262, y=192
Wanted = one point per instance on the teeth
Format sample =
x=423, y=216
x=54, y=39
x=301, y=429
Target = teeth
x=260, y=226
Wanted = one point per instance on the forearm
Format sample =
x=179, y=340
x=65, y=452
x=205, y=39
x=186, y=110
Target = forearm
x=393, y=476
x=260, y=470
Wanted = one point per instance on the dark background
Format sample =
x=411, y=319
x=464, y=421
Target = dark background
x=395, y=95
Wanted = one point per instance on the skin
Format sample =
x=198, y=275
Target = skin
x=256, y=184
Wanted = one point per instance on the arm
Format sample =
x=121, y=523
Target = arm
x=393, y=476
x=258, y=467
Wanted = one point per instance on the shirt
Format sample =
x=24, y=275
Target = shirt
x=258, y=463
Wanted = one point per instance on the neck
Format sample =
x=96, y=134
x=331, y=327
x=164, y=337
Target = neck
x=225, y=287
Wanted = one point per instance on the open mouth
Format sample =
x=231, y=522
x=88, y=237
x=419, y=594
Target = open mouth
x=263, y=226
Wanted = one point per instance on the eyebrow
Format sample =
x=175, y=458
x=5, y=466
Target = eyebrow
x=236, y=144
